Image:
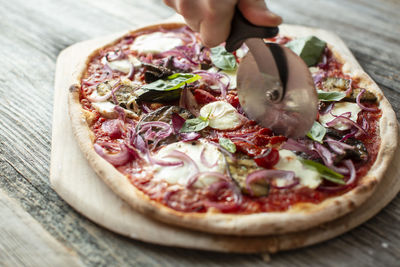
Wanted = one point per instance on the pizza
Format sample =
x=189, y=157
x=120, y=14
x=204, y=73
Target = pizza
x=158, y=117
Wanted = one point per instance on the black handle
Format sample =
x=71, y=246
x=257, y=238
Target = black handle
x=242, y=29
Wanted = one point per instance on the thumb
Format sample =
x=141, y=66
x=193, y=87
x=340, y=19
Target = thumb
x=257, y=13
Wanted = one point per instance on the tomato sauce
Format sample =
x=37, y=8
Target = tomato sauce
x=250, y=139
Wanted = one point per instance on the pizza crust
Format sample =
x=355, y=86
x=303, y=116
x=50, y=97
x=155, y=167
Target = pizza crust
x=301, y=216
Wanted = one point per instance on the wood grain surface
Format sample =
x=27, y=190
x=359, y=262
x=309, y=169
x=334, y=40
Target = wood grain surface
x=32, y=35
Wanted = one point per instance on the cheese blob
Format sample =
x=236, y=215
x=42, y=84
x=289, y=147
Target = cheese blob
x=106, y=109
x=221, y=115
x=288, y=161
x=120, y=65
x=156, y=42
x=181, y=174
x=339, y=109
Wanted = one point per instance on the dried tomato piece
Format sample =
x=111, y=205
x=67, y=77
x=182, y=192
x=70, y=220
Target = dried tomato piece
x=203, y=97
x=269, y=159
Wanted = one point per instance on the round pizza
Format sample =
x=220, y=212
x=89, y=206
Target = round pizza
x=158, y=117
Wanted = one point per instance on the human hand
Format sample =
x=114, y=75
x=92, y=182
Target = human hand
x=212, y=18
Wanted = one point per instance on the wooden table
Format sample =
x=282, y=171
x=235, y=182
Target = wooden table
x=37, y=228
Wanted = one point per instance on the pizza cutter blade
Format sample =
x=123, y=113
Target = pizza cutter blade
x=275, y=86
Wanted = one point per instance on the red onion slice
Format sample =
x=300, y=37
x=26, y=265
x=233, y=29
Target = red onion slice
x=269, y=175
x=358, y=101
x=186, y=137
x=99, y=98
x=116, y=159
x=351, y=170
x=182, y=156
x=347, y=121
x=131, y=73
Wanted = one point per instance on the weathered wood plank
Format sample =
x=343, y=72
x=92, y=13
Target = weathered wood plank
x=32, y=33
x=28, y=244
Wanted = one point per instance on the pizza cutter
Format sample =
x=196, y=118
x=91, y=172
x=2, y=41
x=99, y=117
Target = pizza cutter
x=275, y=86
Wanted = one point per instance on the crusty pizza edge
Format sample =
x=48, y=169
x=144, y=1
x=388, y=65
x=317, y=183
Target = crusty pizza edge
x=300, y=217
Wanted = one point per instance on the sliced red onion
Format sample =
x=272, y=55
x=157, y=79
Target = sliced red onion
x=204, y=160
x=177, y=122
x=352, y=133
x=115, y=88
x=131, y=73
x=297, y=146
x=358, y=100
x=108, y=70
x=269, y=175
x=116, y=55
x=351, y=170
x=116, y=159
x=324, y=153
x=163, y=162
x=347, y=121
x=350, y=88
x=182, y=156
x=337, y=146
x=103, y=98
x=186, y=137
x=145, y=108
x=365, y=124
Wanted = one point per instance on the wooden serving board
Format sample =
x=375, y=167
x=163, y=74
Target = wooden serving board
x=74, y=180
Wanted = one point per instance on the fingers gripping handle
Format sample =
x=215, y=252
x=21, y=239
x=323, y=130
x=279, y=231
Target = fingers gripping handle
x=242, y=29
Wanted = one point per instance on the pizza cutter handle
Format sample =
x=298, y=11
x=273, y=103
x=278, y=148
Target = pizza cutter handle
x=242, y=29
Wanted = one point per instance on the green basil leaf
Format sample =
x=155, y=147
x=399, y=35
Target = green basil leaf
x=173, y=82
x=324, y=171
x=223, y=59
x=317, y=132
x=227, y=144
x=330, y=96
x=309, y=48
x=194, y=125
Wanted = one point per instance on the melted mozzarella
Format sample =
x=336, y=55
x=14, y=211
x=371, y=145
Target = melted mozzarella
x=181, y=174
x=339, y=109
x=222, y=115
x=120, y=65
x=156, y=42
x=106, y=109
x=288, y=161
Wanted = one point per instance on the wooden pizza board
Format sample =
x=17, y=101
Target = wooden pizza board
x=73, y=179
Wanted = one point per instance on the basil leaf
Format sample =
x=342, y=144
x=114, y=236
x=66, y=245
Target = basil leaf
x=324, y=171
x=309, y=48
x=330, y=96
x=317, y=132
x=194, y=125
x=223, y=59
x=227, y=144
x=173, y=82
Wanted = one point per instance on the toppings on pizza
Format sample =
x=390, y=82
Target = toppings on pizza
x=221, y=115
x=199, y=160
x=164, y=110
